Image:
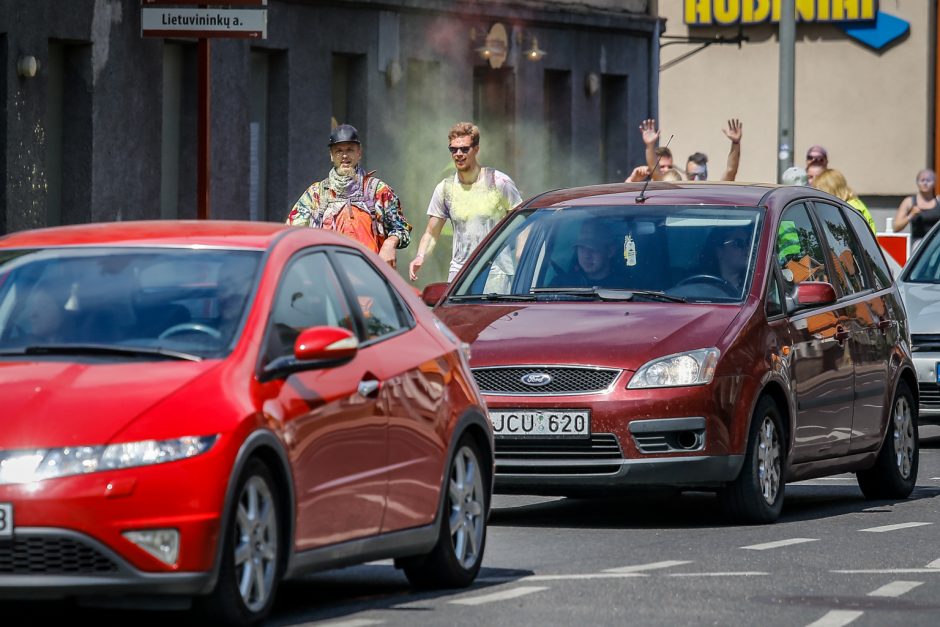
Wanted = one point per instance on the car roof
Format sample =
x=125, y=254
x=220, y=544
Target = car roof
x=662, y=193
x=212, y=233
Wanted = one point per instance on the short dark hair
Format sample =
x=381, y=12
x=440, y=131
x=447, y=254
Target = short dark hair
x=699, y=158
x=663, y=151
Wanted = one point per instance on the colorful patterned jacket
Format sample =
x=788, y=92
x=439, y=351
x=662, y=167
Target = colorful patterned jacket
x=317, y=206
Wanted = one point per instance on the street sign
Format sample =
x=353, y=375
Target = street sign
x=898, y=245
x=187, y=22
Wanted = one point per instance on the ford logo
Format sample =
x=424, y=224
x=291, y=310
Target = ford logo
x=536, y=378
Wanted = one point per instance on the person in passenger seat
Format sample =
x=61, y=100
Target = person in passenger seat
x=596, y=255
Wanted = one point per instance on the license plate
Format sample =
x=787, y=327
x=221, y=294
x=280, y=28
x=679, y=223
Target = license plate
x=6, y=520
x=548, y=423
x=938, y=372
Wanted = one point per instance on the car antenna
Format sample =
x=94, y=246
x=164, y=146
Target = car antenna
x=649, y=177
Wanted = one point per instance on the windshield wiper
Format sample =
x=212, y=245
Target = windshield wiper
x=609, y=294
x=101, y=349
x=493, y=297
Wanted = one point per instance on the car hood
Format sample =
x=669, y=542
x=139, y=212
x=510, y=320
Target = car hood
x=50, y=403
x=621, y=335
x=922, y=302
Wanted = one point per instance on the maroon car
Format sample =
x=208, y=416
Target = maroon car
x=702, y=336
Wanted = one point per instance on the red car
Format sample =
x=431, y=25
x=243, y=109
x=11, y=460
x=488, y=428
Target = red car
x=694, y=336
x=203, y=409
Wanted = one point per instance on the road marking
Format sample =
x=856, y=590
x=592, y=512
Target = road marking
x=778, y=544
x=836, y=618
x=753, y=573
x=512, y=593
x=582, y=576
x=895, y=588
x=641, y=567
x=355, y=622
x=885, y=528
x=934, y=564
x=887, y=571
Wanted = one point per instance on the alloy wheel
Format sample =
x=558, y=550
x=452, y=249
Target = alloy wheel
x=466, y=500
x=768, y=461
x=903, y=436
x=256, y=543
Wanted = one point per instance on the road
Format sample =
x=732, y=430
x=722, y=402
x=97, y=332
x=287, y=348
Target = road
x=832, y=559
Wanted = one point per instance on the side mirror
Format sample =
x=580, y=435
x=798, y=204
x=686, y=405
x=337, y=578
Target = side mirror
x=330, y=343
x=811, y=293
x=314, y=348
x=433, y=292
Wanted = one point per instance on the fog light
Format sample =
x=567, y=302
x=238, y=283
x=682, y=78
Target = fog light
x=163, y=544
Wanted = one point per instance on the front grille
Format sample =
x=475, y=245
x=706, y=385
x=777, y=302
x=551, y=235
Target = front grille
x=925, y=342
x=599, y=454
x=54, y=556
x=564, y=380
x=929, y=395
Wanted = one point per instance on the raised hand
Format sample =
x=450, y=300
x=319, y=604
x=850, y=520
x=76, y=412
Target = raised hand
x=734, y=130
x=650, y=134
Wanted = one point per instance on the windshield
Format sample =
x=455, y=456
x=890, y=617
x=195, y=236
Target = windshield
x=122, y=301
x=926, y=268
x=674, y=253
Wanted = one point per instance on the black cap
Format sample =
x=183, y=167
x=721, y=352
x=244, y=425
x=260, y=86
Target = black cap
x=344, y=133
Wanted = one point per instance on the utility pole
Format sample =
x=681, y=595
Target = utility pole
x=786, y=36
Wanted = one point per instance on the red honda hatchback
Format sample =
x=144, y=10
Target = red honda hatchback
x=697, y=336
x=205, y=408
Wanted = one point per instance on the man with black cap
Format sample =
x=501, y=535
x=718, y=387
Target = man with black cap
x=354, y=202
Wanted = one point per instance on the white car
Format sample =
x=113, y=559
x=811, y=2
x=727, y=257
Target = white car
x=919, y=283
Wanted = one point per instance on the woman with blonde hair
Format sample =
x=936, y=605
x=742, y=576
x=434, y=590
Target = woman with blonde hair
x=833, y=182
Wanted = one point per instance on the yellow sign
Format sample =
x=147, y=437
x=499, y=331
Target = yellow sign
x=725, y=12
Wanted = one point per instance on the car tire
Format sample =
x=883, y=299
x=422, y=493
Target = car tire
x=252, y=552
x=455, y=560
x=895, y=471
x=756, y=496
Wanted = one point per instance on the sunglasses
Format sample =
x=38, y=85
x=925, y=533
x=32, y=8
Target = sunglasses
x=815, y=158
x=461, y=149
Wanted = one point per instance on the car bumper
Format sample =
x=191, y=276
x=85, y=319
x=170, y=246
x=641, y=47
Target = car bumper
x=661, y=472
x=929, y=390
x=50, y=563
x=96, y=510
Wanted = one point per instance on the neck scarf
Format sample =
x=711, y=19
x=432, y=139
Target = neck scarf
x=347, y=187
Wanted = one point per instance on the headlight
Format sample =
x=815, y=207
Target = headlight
x=27, y=466
x=691, y=368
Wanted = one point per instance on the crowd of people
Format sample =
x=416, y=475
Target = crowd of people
x=358, y=204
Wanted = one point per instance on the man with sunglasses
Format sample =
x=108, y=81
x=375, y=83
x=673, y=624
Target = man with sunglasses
x=474, y=200
x=354, y=202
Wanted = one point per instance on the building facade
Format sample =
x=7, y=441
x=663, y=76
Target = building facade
x=872, y=108
x=100, y=123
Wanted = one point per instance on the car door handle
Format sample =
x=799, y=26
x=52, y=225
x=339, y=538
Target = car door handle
x=841, y=334
x=884, y=325
x=369, y=389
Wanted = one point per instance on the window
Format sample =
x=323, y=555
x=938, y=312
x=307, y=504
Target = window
x=870, y=250
x=844, y=248
x=380, y=308
x=798, y=250
x=774, y=299
x=309, y=296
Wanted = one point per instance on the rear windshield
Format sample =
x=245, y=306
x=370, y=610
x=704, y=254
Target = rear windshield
x=694, y=253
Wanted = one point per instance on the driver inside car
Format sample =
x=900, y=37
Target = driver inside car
x=732, y=256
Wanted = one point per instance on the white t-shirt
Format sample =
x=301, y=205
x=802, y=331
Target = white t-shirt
x=473, y=209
